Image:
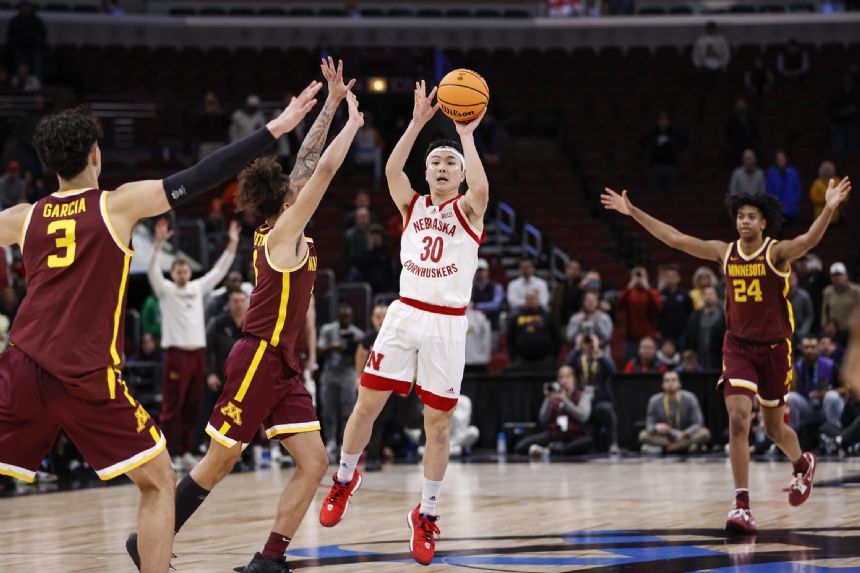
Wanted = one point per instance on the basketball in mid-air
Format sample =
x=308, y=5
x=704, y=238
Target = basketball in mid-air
x=463, y=95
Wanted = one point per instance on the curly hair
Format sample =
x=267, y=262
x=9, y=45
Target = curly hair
x=263, y=186
x=768, y=205
x=64, y=140
x=442, y=143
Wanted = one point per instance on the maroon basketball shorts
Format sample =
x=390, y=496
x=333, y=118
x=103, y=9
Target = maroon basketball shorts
x=113, y=432
x=260, y=389
x=756, y=370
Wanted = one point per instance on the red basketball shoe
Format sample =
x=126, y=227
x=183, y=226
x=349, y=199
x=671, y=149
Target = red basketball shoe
x=741, y=522
x=422, y=543
x=335, y=505
x=801, y=484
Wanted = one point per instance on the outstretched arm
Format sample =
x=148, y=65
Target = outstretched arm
x=291, y=224
x=141, y=199
x=312, y=146
x=478, y=192
x=787, y=251
x=398, y=183
x=708, y=250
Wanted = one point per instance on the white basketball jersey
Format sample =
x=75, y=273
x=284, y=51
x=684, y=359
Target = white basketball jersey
x=439, y=253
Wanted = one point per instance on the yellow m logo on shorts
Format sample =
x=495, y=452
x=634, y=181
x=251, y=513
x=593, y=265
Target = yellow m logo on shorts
x=142, y=417
x=233, y=412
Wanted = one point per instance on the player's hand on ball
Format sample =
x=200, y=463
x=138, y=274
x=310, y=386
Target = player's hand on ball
x=469, y=128
x=334, y=76
x=296, y=111
x=355, y=116
x=837, y=193
x=613, y=201
x=424, y=109
x=162, y=231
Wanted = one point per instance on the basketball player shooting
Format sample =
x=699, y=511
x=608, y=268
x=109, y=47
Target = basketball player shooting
x=425, y=331
x=757, y=360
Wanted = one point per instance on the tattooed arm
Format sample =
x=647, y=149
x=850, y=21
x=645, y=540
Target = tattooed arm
x=312, y=146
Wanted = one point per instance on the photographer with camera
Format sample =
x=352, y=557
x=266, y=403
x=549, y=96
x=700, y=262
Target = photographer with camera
x=337, y=344
x=594, y=371
x=562, y=417
x=640, y=304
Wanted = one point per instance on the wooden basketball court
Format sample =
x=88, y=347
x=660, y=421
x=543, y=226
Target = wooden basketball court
x=629, y=515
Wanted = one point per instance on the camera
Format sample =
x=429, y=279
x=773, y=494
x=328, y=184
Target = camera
x=555, y=387
x=587, y=329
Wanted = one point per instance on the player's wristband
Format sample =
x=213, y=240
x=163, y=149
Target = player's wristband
x=216, y=168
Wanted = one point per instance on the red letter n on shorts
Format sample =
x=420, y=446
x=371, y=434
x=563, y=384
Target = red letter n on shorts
x=374, y=361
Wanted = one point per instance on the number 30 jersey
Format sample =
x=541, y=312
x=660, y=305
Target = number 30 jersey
x=439, y=253
x=757, y=304
x=72, y=320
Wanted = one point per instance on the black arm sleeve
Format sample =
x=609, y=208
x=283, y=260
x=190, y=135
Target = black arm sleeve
x=216, y=168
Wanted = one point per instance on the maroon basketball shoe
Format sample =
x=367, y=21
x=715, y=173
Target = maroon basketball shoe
x=422, y=543
x=741, y=522
x=335, y=505
x=801, y=484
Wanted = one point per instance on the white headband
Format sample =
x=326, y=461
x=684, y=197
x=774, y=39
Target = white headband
x=449, y=150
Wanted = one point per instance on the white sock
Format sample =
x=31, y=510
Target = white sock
x=430, y=496
x=347, y=466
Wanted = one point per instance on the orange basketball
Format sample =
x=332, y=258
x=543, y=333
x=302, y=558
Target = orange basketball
x=463, y=95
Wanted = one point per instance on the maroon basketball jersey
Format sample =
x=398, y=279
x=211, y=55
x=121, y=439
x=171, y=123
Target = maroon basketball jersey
x=757, y=305
x=72, y=321
x=280, y=299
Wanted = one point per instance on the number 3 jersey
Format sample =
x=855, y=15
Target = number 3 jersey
x=439, y=253
x=757, y=304
x=72, y=320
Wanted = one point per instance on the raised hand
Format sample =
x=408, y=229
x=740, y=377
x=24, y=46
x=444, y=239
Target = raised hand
x=424, y=109
x=836, y=194
x=334, y=76
x=296, y=111
x=233, y=232
x=162, y=231
x=613, y=201
x=355, y=116
x=470, y=127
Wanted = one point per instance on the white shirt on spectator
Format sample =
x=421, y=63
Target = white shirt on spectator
x=711, y=52
x=182, y=320
x=244, y=123
x=478, y=338
x=517, y=291
x=743, y=182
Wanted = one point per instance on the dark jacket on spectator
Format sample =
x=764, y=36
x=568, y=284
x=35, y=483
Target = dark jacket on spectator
x=818, y=376
x=533, y=336
x=593, y=371
x=672, y=319
x=489, y=298
x=566, y=300
x=711, y=357
x=221, y=335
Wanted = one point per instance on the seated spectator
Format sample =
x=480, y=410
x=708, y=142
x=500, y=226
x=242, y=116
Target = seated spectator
x=562, y=417
x=594, y=370
x=711, y=55
x=792, y=62
x=211, y=126
x=362, y=201
x=24, y=81
x=839, y=300
x=828, y=348
x=488, y=296
x=533, y=337
x=783, y=182
x=479, y=341
x=662, y=146
x=677, y=305
x=246, y=120
x=463, y=434
x=689, y=363
x=367, y=148
x=742, y=132
x=801, y=306
x=355, y=243
x=567, y=295
x=640, y=304
x=374, y=265
x=13, y=189
x=527, y=280
x=646, y=360
x=758, y=79
x=705, y=331
x=844, y=438
x=590, y=321
x=747, y=178
x=818, y=190
x=216, y=301
x=668, y=354
x=703, y=278
x=674, y=420
x=813, y=398
x=149, y=350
